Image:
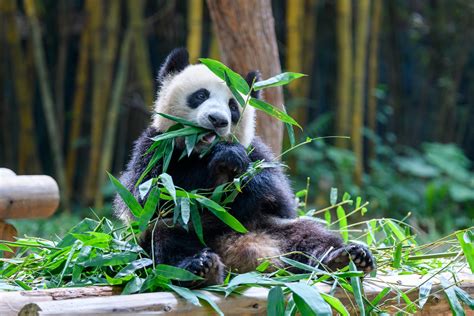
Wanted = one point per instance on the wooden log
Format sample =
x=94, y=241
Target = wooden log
x=27, y=196
x=252, y=302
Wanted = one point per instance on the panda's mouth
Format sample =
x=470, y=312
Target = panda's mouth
x=209, y=138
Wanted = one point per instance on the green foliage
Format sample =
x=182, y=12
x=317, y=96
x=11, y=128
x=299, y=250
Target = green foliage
x=434, y=186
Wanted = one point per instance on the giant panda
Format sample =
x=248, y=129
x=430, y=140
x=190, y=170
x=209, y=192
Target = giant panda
x=266, y=206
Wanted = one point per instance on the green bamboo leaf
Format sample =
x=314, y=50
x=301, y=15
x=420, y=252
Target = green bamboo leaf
x=179, y=120
x=336, y=304
x=178, y=133
x=278, y=80
x=5, y=248
x=276, y=302
x=167, y=182
x=157, y=155
x=185, y=210
x=425, y=290
x=397, y=255
x=341, y=216
x=454, y=303
x=467, y=245
x=464, y=296
x=220, y=70
x=210, y=301
x=133, y=286
x=234, y=91
x=311, y=297
x=126, y=196
x=133, y=266
x=175, y=273
x=190, y=141
x=378, y=298
x=111, y=259
x=272, y=111
x=150, y=208
x=222, y=214
x=196, y=219
x=291, y=134
x=185, y=293
x=357, y=289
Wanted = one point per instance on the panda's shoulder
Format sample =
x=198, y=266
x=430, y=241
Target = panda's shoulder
x=260, y=150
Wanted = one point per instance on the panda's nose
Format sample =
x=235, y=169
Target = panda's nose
x=218, y=120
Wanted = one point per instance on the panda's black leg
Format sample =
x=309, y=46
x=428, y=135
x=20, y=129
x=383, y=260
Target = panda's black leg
x=359, y=254
x=206, y=264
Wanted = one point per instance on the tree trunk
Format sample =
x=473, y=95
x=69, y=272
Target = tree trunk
x=247, y=41
x=373, y=73
x=344, y=70
x=47, y=101
x=360, y=59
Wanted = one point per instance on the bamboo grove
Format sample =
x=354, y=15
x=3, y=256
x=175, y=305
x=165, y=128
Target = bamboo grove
x=77, y=78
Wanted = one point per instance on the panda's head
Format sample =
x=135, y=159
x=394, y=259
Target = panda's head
x=196, y=94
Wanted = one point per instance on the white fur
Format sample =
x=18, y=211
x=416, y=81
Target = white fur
x=175, y=89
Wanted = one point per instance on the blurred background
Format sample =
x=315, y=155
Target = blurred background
x=402, y=72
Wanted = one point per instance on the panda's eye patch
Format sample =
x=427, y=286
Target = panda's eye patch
x=196, y=98
x=234, y=110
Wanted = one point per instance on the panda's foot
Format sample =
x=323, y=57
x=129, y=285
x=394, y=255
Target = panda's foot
x=207, y=265
x=359, y=254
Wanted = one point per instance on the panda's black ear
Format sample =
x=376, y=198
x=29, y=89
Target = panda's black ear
x=253, y=77
x=176, y=61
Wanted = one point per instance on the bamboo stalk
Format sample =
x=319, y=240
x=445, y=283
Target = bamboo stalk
x=104, y=62
x=82, y=74
x=27, y=158
x=47, y=100
x=112, y=117
x=373, y=73
x=142, y=56
x=294, y=56
x=360, y=59
x=344, y=70
x=194, y=40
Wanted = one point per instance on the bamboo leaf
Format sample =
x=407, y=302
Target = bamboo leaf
x=272, y=111
x=196, y=219
x=210, y=301
x=454, y=303
x=167, y=182
x=187, y=294
x=276, y=302
x=175, y=273
x=149, y=209
x=222, y=214
x=111, y=259
x=178, y=133
x=278, y=80
x=397, y=255
x=179, y=120
x=126, y=196
x=185, y=210
x=467, y=245
x=311, y=297
x=341, y=216
x=425, y=290
x=357, y=289
x=464, y=296
x=133, y=266
x=220, y=70
x=336, y=304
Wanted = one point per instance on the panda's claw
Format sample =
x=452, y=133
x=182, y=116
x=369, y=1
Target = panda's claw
x=359, y=254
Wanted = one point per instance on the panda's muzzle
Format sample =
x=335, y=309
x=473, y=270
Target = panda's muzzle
x=218, y=120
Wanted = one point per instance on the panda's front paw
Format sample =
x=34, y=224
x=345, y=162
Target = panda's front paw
x=207, y=265
x=359, y=254
x=228, y=161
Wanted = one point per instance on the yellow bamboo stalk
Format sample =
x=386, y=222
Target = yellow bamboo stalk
x=373, y=71
x=309, y=38
x=214, y=52
x=344, y=70
x=27, y=157
x=100, y=97
x=142, y=56
x=360, y=60
x=112, y=116
x=194, y=40
x=294, y=49
x=47, y=100
x=82, y=74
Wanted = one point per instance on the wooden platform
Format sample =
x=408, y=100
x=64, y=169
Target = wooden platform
x=106, y=301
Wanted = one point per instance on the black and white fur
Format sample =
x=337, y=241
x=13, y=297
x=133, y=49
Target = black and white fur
x=266, y=207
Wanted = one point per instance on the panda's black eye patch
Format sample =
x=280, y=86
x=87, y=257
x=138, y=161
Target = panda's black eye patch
x=196, y=98
x=234, y=110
